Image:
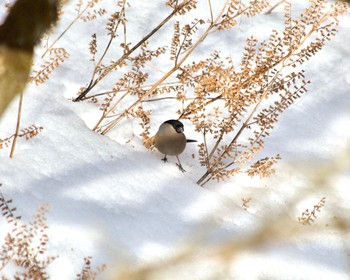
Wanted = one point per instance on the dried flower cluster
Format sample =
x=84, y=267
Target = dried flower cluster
x=263, y=167
x=93, y=14
x=57, y=57
x=87, y=272
x=245, y=202
x=236, y=109
x=309, y=217
x=182, y=7
x=25, y=245
x=182, y=39
x=28, y=133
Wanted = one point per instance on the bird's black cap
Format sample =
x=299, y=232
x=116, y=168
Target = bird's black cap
x=177, y=125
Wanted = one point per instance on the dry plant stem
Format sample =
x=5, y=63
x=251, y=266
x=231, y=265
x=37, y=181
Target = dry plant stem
x=94, y=82
x=109, y=44
x=183, y=42
x=124, y=25
x=96, y=127
x=206, y=147
x=65, y=31
x=166, y=76
x=17, y=125
x=141, y=87
x=165, y=98
x=211, y=100
x=274, y=7
x=211, y=11
x=203, y=180
x=6, y=206
x=117, y=120
x=234, y=140
x=284, y=63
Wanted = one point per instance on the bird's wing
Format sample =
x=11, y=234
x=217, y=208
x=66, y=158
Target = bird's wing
x=149, y=143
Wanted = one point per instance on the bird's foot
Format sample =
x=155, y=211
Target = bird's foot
x=181, y=168
x=165, y=159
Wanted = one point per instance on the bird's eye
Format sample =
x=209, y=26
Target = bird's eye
x=179, y=128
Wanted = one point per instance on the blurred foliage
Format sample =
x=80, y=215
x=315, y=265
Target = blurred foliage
x=26, y=23
x=21, y=31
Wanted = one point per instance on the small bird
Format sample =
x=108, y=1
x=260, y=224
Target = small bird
x=171, y=141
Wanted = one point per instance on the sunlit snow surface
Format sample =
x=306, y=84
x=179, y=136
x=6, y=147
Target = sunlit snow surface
x=116, y=201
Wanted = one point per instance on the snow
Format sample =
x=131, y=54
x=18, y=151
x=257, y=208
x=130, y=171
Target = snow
x=114, y=200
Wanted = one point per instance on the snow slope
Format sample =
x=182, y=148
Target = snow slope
x=114, y=200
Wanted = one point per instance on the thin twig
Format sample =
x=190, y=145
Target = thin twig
x=65, y=30
x=274, y=7
x=167, y=75
x=211, y=11
x=112, y=36
x=124, y=90
x=105, y=112
x=119, y=62
x=17, y=125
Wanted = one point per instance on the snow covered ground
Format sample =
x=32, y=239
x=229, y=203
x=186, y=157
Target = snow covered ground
x=113, y=199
